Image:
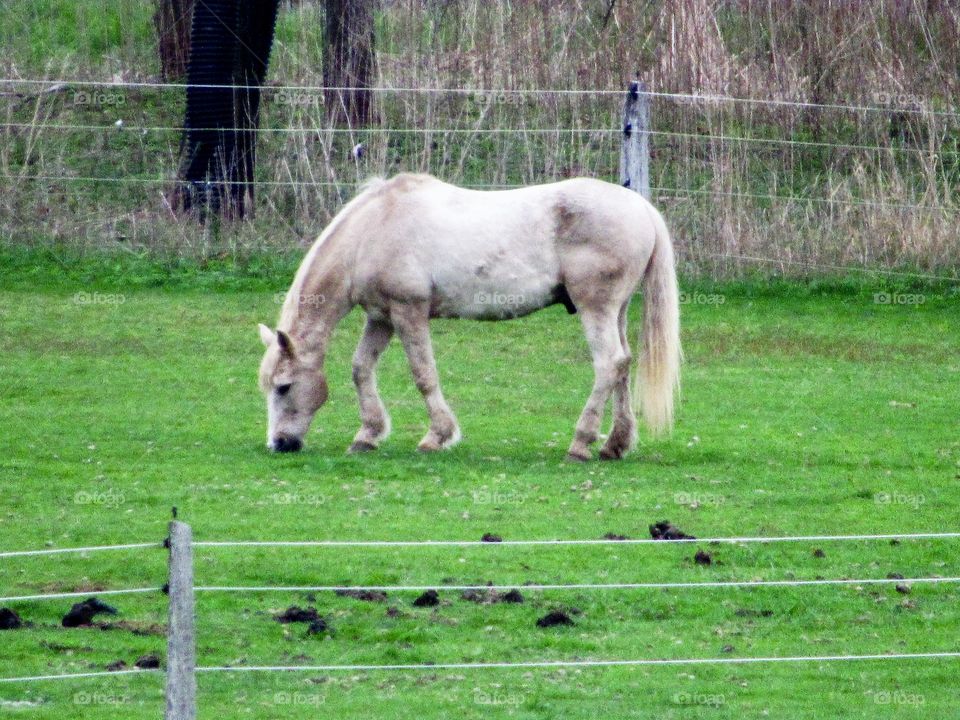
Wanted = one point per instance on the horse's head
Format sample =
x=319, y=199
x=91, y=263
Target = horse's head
x=295, y=390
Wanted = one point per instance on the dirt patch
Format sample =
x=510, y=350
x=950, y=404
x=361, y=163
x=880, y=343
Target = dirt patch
x=9, y=620
x=364, y=595
x=490, y=537
x=745, y=612
x=295, y=614
x=82, y=613
x=316, y=625
x=117, y=665
x=492, y=597
x=665, y=530
x=615, y=536
x=429, y=599
x=553, y=618
x=141, y=629
x=703, y=558
x=148, y=662
x=819, y=553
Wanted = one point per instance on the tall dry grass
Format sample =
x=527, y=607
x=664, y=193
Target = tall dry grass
x=872, y=188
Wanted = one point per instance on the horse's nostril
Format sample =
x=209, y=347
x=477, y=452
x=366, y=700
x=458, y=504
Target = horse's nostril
x=282, y=443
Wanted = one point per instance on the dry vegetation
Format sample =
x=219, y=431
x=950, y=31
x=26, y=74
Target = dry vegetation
x=850, y=187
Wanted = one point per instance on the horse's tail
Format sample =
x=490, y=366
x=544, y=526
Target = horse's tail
x=658, y=371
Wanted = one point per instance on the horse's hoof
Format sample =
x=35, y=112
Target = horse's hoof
x=607, y=453
x=361, y=446
x=577, y=457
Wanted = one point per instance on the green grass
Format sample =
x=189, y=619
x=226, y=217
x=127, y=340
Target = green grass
x=804, y=411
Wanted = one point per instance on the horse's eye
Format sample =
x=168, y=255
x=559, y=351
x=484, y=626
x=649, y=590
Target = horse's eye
x=283, y=389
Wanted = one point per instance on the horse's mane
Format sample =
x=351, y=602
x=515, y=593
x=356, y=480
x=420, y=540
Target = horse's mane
x=291, y=303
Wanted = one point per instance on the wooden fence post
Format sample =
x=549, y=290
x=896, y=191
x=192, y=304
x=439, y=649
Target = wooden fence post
x=635, y=150
x=181, y=641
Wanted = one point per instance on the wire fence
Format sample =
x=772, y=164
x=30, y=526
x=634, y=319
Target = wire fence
x=182, y=666
x=743, y=181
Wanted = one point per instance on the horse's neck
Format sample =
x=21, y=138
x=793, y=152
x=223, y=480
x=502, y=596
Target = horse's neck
x=315, y=305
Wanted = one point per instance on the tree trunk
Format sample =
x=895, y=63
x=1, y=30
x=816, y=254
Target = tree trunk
x=171, y=19
x=230, y=49
x=348, y=61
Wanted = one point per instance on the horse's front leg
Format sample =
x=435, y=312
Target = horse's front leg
x=412, y=322
x=373, y=415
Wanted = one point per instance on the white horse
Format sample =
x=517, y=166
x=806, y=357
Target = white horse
x=414, y=248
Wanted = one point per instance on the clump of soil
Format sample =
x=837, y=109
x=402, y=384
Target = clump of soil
x=117, y=665
x=490, y=537
x=318, y=627
x=615, y=536
x=513, y=596
x=665, y=530
x=429, y=599
x=903, y=588
x=295, y=614
x=819, y=553
x=9, y=620
x=394, y=612
x=148, y=662
x=365, y=595
x=492, y=597
x=894, y=576
x=703, y=558
x=554, y=617
x=83, y=613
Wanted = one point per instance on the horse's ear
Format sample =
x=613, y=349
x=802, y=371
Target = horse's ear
x=266, y=334
x=285, y=343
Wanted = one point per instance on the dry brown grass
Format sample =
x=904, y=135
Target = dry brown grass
x=893, y=206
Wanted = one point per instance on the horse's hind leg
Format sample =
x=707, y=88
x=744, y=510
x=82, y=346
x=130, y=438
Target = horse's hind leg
x=624, y=431
x=609, y=360
x=412, y=322
x=373, y=415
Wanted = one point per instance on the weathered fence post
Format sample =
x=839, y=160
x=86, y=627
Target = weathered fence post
x=181, y=642
x=635, y=150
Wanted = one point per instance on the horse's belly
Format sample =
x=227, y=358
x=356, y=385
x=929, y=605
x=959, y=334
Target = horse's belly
x=486, y=298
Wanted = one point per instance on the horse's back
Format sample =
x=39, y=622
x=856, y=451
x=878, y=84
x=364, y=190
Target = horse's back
x=499, y=253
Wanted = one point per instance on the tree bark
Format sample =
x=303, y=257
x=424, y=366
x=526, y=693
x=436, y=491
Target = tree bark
x=348, y=61
x=229, y=53
x=171, y=19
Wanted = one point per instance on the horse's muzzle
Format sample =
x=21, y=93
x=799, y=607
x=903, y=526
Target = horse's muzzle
x=282, y=443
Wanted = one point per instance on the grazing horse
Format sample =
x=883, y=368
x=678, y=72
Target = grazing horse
x=414, y=248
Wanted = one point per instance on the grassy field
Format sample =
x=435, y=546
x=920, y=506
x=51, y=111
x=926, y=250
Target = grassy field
x=804, y=411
